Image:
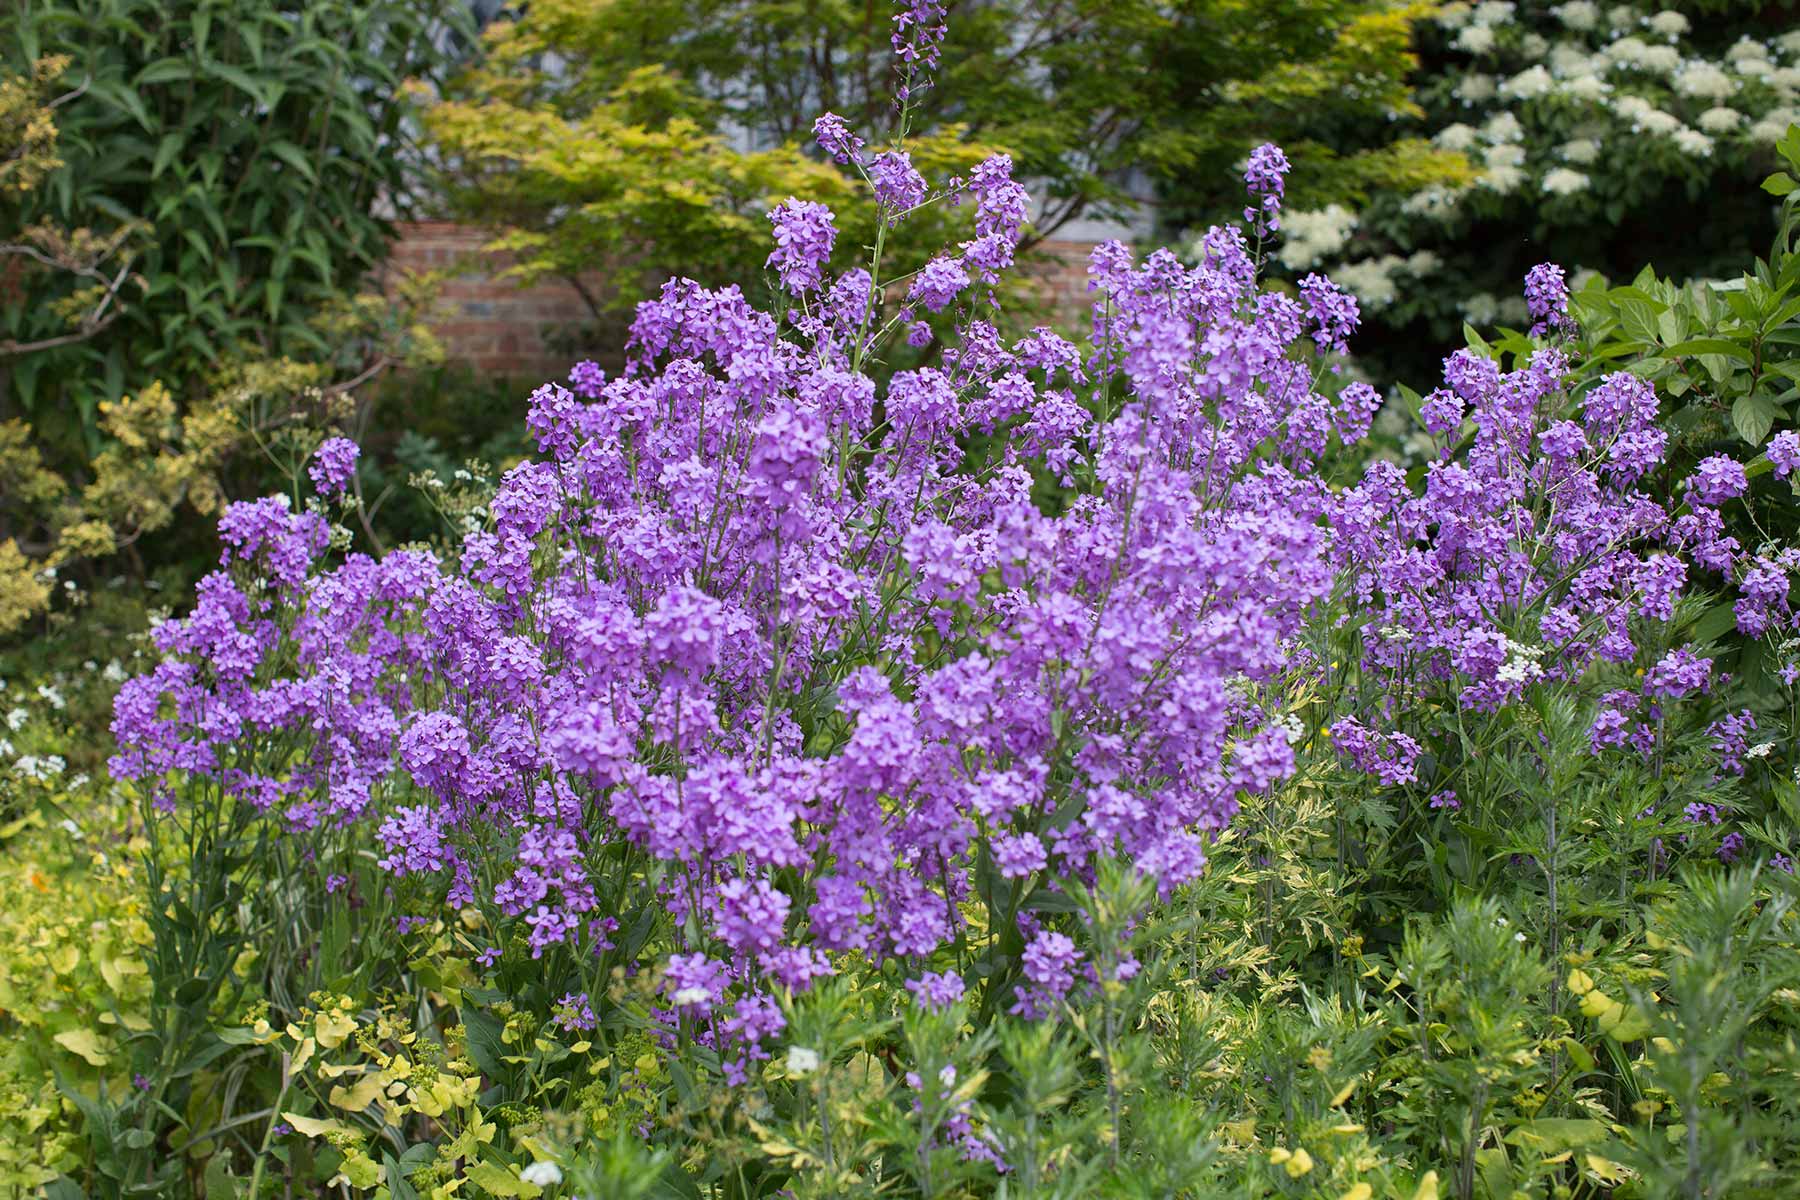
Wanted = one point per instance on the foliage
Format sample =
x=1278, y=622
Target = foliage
x=249, y=143
x=73, y=982
x=637, y=140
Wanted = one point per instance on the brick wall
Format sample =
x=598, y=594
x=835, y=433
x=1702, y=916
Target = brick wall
x=498, y=328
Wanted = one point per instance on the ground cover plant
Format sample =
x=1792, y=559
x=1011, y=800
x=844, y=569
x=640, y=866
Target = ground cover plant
x=1056, y=768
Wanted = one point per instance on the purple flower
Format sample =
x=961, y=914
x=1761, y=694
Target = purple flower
x=1547, y=298
x=898, y=184
x=834, y=137
x=1784, y=452
x=938, y=283
x=333, y=465
x=1718, y=479
x=804, y=235
x=936, y=990
x=1266, y=179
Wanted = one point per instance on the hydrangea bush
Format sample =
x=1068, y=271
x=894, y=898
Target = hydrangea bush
x=1588, y=127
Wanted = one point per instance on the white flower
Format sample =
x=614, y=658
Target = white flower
x=1434, y=201
x=1562, y=181
x=1785, y=81
x=16, y=718
x=1774, y=125
x=52, y=696
x=1370, y=280
x=1693, y=142
x=1534, y=45
x=1635, y=52
x=690, y=995
x=1476, y=39
x=1503, y=127
x=1760, y=750
x=1746, y=47
x=1570, y=58
x=1507, y=154
x=1528, y=84
x=1581, y=150
x=1757, y=68
x=1481, y=309
x=1502, y=179
x=1668, y=23
x=1475, y=88
x=1719, y=120
x=1457, y=137
x=1790, y=41
x=1621, y=16
x=47, y=767
x=1704, y=80
x=1422, y=263
x=1453, y=16
x=1492, y=12
x=1586, y=87
x=802, y=1061
x=1314, y=234
x=542, y=1173
x=1579, y=15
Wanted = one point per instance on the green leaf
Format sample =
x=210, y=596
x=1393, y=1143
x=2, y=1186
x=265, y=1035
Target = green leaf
x=1779, y=184
x=294, y=157
x=483, y=1031
x=498, y=1181
x=166, y=150
x=1712, y=345
x=164, y=70
x=1752, y=416
x=84, y=1042
x=219, y=1183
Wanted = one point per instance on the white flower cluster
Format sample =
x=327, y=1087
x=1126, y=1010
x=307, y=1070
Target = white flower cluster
x=1312, y=235
x=1374, y=281
x=1521, y=665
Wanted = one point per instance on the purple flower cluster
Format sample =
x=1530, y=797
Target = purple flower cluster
x=753, y=616
x=1547, y=299
x=767, y=630
x=333, y=465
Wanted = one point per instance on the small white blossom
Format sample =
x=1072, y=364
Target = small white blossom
x=1693, y=142
x=690, y=995
x=1313, y=235
x=802, y=1061
x=1668, y=23
x=1760, y=750
x=542, y=1173
x=1503, y=127
x=1719, y=120
x=1528, y=84
x=1456, y=137
x=1502, y=179
x=1492, y=12
x=1586, y=87
x=16, y=718
x=1476, y=88
x=1705, y=81
x=1579, y=15
x=1581, y=150
x=1564, y=181
x=1476, y=39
